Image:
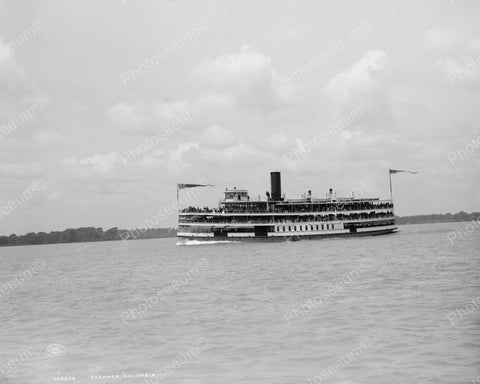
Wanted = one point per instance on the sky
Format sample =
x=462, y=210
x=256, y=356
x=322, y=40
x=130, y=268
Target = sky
x=106, y=105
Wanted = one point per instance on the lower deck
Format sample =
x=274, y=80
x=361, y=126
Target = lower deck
x=285, y=231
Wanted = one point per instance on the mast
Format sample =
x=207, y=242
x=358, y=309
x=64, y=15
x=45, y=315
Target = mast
x=390, y=178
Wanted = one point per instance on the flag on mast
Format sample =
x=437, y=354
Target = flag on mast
x=392, y=171
x=183, y=186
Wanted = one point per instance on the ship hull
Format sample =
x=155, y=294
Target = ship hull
x=287, y=237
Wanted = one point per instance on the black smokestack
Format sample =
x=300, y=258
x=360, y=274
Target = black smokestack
x=276, y=186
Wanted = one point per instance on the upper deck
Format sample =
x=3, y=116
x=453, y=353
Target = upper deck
x=292, y=207
x=238, y=202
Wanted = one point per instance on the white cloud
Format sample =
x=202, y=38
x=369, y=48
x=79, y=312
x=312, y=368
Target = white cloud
x=54, y=195
x=459, y=55
x=279, y=141
x=217, y=136
x=445, y=38
x=474, y=45
x=176, y=158
x=95, y=168
x=126, y=115
x=153, y=160
x=248, y=76
x=47, y=138
x=21, y=170
x=176, y=155
x=138, y=116
x=203, y=158
x=11, y=75
x=221, y=101
x=358, y=79
x=357, y=87
x=243, y=155
x=17, y=93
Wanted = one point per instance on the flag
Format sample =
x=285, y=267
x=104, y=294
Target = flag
x=392, y=171
x=183, y=186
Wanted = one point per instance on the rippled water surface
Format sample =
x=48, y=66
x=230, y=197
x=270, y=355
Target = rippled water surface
x=401, y=308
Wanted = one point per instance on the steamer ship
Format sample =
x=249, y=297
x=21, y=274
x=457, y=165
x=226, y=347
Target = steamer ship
x=277, y=218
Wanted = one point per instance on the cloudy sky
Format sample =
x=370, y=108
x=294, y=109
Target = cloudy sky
x=108, y=104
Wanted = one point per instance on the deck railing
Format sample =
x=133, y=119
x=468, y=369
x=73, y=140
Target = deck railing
x=292, y=208
x=284, y=219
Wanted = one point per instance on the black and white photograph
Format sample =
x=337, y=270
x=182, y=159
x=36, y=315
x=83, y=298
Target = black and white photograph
x=240, y=191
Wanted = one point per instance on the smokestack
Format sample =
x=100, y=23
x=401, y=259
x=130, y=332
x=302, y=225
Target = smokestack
x=276, y=186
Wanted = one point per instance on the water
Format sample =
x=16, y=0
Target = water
x=387, y=309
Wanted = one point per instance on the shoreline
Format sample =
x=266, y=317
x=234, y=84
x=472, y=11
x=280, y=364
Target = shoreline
x=94, y=235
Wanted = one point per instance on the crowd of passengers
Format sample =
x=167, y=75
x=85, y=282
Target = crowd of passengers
x=292, y=208
x=200, y=210
x=276, y=219
x=360, y=206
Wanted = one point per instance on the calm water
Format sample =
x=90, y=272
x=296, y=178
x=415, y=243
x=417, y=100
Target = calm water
x=402, y=308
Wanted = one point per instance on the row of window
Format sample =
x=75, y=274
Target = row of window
x=307, y=227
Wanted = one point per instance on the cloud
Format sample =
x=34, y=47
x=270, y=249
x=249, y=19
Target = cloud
x=459, y=56
x=474, y=45
x=21, y=170
x=15, y=87
x=204, y=158
x=445, y=38
x=96, y=168
x=107, y=174
x=248, y=76
x=47, y=138
x=358, y=80
x=243, y=155
x=176, y=155
x=153, y=160
x=140, y=116
x=217, y=136
x=11, y=75
x=17, y=92
x=221, y=100
x=279, y=141
x=358, y=86
x=126, y=115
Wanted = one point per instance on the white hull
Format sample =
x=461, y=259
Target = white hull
x=289, y=235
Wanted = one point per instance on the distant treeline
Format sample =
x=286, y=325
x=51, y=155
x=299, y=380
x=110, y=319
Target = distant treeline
x=79, y=235
x=438, y=218
x=86, y=234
